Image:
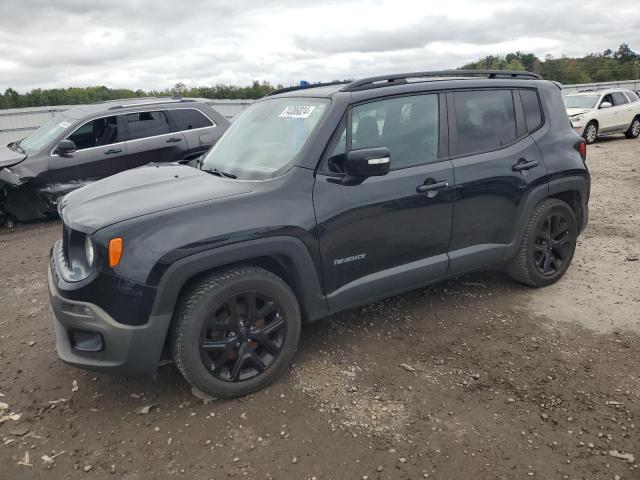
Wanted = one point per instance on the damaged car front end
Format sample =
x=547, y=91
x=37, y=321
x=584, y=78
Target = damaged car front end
x=23, y=196
x=91, y=142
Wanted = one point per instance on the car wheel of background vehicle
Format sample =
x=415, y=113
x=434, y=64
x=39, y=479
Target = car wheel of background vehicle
x=235, y=331
x=634, y=129
x=548, y=245
x=590, y=133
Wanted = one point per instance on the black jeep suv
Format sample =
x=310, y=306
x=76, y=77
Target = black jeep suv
x=316, y=200
x=90, y=142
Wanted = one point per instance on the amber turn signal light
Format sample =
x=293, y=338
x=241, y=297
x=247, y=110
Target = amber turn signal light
x=115, y=251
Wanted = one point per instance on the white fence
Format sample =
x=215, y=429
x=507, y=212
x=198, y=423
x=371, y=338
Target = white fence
x=17, y=123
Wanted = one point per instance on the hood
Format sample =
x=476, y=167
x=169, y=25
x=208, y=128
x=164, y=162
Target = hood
x=142, y=191
x=10, y=157
x=577, y=111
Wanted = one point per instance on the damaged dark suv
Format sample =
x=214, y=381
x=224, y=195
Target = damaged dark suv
x=314, y=201
x=91, y=142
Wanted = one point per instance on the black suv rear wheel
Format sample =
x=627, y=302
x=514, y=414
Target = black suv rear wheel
x=235, y=331
x=548, y=245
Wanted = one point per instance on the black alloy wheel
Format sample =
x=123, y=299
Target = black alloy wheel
x=552, y=242
x=547, y=246
x=235, y=331
x=243, y=337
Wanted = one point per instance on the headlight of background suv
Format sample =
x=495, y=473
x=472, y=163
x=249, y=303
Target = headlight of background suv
x=576, y=119
x=88, y=250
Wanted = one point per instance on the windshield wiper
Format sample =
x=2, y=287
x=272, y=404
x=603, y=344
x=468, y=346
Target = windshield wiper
x=219, y=173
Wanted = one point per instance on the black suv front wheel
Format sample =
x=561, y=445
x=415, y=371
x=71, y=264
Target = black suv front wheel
x=235, y=331
x=548, y=245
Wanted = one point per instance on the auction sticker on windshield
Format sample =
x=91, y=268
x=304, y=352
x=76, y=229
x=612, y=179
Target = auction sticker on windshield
x=297, y=111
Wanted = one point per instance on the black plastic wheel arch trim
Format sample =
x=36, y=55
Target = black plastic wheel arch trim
x=304, y=273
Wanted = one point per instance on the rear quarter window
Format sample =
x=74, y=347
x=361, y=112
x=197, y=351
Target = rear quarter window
x=531, y=108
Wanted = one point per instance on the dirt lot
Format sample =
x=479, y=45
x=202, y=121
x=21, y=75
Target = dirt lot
x=474, y=378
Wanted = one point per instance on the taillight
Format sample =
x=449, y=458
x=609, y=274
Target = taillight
x=581, y=147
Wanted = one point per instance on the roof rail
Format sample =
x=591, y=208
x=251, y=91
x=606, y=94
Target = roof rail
x=301, y=87
x=124, y=99
x=158, y=100
x=401, y=78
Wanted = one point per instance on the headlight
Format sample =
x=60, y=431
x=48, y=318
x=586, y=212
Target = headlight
x=88, y=249
x=576, y=119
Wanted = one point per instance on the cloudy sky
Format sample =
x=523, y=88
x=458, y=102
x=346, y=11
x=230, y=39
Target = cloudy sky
x=154, y=44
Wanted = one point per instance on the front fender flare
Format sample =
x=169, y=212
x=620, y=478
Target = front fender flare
x=304, y=272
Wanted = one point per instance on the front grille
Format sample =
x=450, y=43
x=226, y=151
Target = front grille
x=66, y=240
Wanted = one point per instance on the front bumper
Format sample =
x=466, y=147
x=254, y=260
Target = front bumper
x=124, y=349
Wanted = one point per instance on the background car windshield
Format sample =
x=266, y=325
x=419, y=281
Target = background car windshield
x=266, y=137
x=580, y=101
x=46, y=134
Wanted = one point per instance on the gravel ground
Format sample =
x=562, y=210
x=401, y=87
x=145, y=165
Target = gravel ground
x=472, y=378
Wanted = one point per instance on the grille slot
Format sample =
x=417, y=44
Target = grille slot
x=66, y=240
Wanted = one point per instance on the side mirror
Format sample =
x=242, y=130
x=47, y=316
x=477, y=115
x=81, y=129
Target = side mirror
x=65, y=147
x=368, y=162
x=605, y=105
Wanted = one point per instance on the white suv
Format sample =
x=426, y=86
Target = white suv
x=603, y=112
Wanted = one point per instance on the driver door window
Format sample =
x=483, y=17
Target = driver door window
x=96, y=133
x=407, y=126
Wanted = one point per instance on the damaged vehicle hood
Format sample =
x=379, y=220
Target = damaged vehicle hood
x=142, y=191
x=10, y=157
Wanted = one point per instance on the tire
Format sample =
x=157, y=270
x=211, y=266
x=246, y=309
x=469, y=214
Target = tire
x=634, y=129
x=590, y=132
x=548, y=245
x=223, y=346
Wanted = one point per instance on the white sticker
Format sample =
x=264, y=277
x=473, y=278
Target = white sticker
x=297, y=111
x=64, y=124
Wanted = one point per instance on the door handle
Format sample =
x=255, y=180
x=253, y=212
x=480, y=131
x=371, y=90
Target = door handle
x=112, y=151
x=431, y=187
x=174, y=139
x=524, y=164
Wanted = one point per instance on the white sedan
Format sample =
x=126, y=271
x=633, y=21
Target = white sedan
x=603, y=112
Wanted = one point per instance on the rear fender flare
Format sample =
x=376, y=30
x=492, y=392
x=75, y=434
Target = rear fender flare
x=554, y=187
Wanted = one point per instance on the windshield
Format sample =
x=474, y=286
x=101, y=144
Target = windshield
x=580, y=101
x=46, y=134
x=266, y=137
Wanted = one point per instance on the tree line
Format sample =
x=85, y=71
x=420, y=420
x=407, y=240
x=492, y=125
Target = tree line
x=610, y=65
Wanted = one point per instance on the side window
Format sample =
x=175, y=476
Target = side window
x=607, y=98
x=531, y=108
x=189, y=119
x=147, y=124
x=96, y=133
x=619, y=98
x=407, y=126
x=485, y=120
x=632, y=97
